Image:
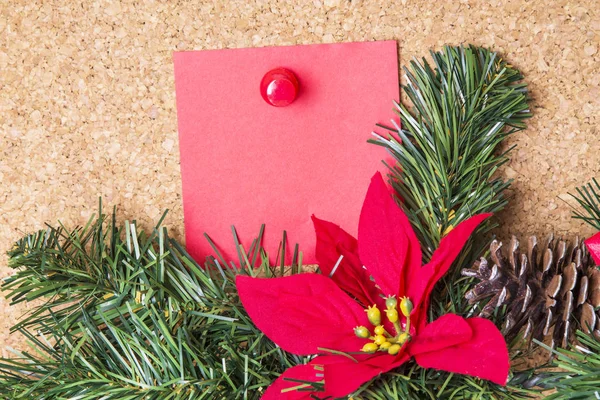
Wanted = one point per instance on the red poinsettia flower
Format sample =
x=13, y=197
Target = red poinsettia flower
x=593, y=246
x=324, y=314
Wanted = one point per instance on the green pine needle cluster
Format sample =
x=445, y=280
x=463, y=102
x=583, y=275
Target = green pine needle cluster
x=126, y=315
x=448, y=149
x=448, y=145
x=411, y=382
x=588, y=199
x=577, y=370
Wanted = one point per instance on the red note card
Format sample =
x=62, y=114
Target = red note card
x=245, y=162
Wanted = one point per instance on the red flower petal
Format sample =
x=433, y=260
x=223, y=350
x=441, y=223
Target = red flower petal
x=387, y=243
x=305, y=372
x=423, y=280
x=485, y=355
x=303, y=312
x=344, y=376
x=448, y=330
x=333, y=242
x=593, y=245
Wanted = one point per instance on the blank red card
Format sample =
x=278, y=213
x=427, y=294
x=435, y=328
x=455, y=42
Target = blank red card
x=247, y=163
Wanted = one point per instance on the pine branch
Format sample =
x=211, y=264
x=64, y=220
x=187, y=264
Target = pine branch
x=412, y=382
x=133, y=316
x=578, y=374
x=588, y=198
x=447, y=154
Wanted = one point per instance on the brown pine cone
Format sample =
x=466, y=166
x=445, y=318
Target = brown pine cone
x=553, y=285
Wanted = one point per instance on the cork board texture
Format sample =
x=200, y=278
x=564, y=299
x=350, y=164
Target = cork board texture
x=87, y=99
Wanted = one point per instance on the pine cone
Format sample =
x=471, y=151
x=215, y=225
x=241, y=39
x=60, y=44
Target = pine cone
x=557, y=285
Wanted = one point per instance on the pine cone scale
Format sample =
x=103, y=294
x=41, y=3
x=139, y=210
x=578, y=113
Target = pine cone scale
x=554, y=289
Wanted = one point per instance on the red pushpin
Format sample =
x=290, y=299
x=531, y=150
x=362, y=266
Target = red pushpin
x=279, y=87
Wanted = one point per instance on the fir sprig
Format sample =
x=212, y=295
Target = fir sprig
x=132, y=316
x=576, y=370
x=578, y=374
x=447, y=150
x=411, y=382
x=588, y=199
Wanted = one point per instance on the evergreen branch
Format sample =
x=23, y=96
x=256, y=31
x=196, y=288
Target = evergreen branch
x=133, y=356
x=588, y=198
x=412, y=382
x=578, y=374
x=447, y=158
x=129, y=315
x=447, y=146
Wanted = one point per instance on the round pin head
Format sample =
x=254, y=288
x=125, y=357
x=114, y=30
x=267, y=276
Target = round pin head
x=279, y=87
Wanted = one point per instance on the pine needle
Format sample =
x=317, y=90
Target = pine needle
x=130, y=315
x=447, y=151
x=588, y=199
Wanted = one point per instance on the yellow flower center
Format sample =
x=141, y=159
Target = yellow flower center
x=382, y=340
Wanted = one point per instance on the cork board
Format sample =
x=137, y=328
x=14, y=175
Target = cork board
x=87, y=100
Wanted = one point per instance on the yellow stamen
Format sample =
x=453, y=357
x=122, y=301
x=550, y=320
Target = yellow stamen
x=370, y=348
x=374, y=315
x=406, y=306
x=392, y=315
x=391, y=302
x=362, y=332
x=394, y=349
x=403, y=338
x=385, y=346
x=397, y=329
x=380, y=339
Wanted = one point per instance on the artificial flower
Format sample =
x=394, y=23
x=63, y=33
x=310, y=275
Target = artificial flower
x=366, y=314
x=593, y=246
